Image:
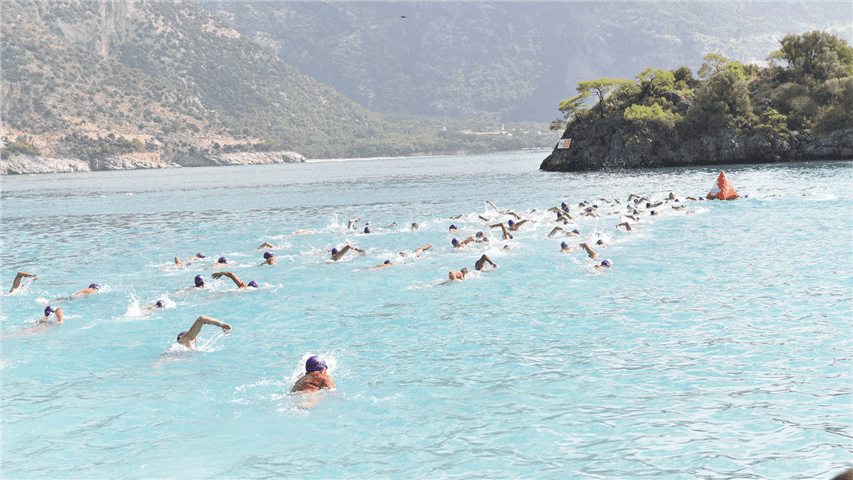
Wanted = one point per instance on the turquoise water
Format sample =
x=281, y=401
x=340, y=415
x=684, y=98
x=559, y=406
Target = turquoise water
x=717, y=346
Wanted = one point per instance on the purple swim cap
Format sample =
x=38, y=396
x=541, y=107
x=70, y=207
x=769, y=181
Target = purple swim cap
x=181, y=335
x=334, y=251
x=159, y=304
x=267, y=255
x=464, y=270
x=199, y=282
x=366, y=230
x=605, y=263
x=387, y=262
x=95, y=286
x=253, y=284
x=454, y=242
x=48, y=310
x=576, y=231
x=222, y=260
x=199, y=255
x=453, y=227
x=315, y=364
x=648, y=204
x=564, y=245
x=510, y=223
x=600, y=242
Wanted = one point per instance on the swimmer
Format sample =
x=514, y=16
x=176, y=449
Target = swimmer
x=235, y=279
x=219, y=263
x=601, y=243
x=589, y=251
x=160, y=304
x=199, y=281
x=179, y=263
x=564, y=247
x=265, y=245
x=626, y=225
x=392, y=225
x=458, y=244
x=603, y=264
x=20, y=276
x=187, y=337
x=48, y=310
x=92, y=288
x=300, y=232
x=481, y=238
x=506, y=234
x=316, y=377
x=484, y=219
x=269, y=259
x=336, y=255
x=452, y=228
x=481, y=263
x=414, y=226
x=351, y=224
x=457, y=217
x=510, y=212
x=455, y=275
x=366, y=229
x=507, y=247
x=555, y=230
x=384, y=265
x=419, y=250
x=513, y=226
x=692, y=198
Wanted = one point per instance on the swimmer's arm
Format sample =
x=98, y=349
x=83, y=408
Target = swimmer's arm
x=193, y=332
x=331, y=384
x=463, y=242
x=496, y=225
x=510, y=212
x=59, y=318
x=230, y=275
x=423, y=249
x=555, y=230
x=483, y=218
x=266, y=245
x=589, y=251
x=20, y=276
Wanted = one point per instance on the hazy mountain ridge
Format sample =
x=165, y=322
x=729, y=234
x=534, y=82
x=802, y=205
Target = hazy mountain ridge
x=511, y=60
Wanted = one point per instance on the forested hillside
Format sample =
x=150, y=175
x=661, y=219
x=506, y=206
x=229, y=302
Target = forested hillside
x=510, y=60
x=107, y=78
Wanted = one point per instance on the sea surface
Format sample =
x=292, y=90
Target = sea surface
x=718, y=345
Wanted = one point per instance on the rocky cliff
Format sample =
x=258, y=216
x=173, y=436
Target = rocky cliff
x=606, y=149
x=24, y=164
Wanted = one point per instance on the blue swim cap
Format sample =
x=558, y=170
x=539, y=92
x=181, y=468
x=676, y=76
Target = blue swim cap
x=334, y=251
x=159, y=304
x=267, y=255
x=564, y=245
x=315, y=364
x=605, y=263
x=95, y=286
x=222, y=260
x=181, y=335
x=48, y=310
x=199, y=282
x=199, y=255
x=253, y=284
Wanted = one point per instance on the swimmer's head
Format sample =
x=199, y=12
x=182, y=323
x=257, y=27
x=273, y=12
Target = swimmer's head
x=414, y=226
x=253, y=284
x=334, y=251
x=510, y=223
x=599, y=242
x=199, y=282
x=648, y=204
x=267, y=255
x=575, y=231
x=653, y=212
x=48, y=310
x=605, y=263
x=315, y=364
x=563, y=205
x=506, y=247
x=181, y=335
x=160, y=304
x=95, y=286
x=366, y=229
x=454, y=242
x=480, y=234
x=222, y=260
x=387, y=262
x=594, y=206
x=199, y=255
x=564, y=245
x=464, y=271
x=452, y=227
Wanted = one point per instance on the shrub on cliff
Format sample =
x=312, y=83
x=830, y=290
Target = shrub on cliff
x=22, y=146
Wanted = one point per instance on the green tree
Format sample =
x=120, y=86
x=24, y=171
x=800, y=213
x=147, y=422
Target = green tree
x=655, y=82
x=602, y=88
x=570, y=109
x=816, y=54
x=712, y=63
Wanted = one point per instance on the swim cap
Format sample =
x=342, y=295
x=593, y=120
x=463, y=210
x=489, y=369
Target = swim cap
x=594, y=206
x=222, y=260
x=648, y=204
x=653, y=212
x=564, y=245
x=464, y=270
x=334, y=251
x=600, y=242
x=366, y=230
x=267, y=255
x=199, y=282
x=453, y=227
x=414, y=225
x=48, y=310
x=314, y=364
x=95, y=286
x=605, y=263
x=253, y=284
x=181, y=335
x=576, y=231
x=480, y=234
x=199, y=255
x=510, y=223
x=564, y=205
x=159, y=304
x=454, y=242
x=387, y=262
x=506, y=247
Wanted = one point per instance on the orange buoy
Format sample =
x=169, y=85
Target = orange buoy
x=723, y=189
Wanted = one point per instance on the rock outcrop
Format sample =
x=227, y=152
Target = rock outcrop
x=606, y=149
x=23, y=164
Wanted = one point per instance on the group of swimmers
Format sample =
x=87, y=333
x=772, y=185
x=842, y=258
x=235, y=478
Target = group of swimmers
x=316, y=376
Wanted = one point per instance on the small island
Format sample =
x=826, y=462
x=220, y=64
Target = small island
x=798, y=108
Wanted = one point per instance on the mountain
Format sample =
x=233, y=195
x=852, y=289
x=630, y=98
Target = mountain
x=86, y=79
x=512, y=61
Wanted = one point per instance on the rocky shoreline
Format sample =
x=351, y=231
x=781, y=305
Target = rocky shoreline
x=605, y=149
x=24, y=164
